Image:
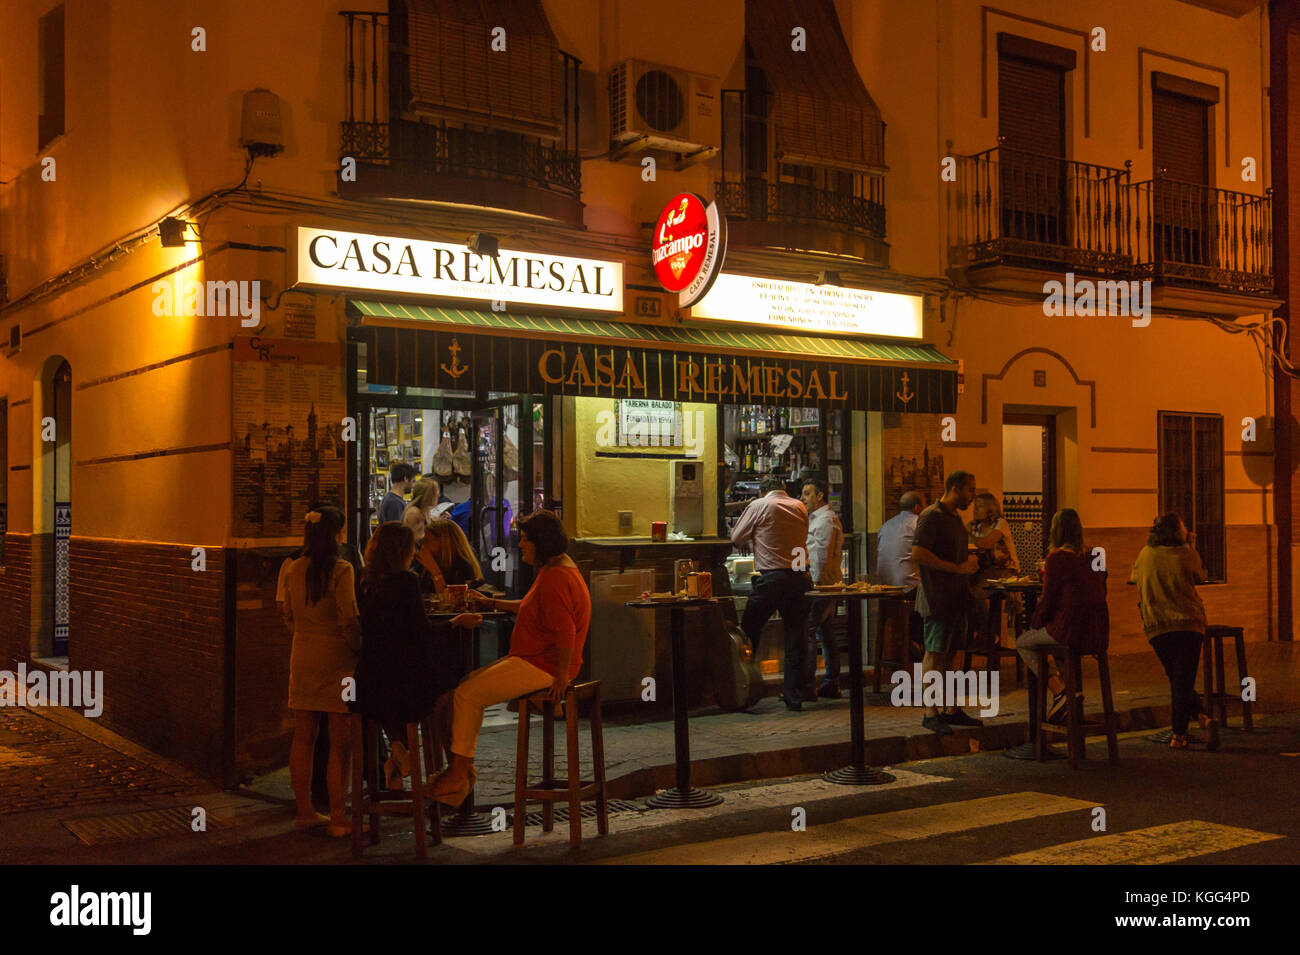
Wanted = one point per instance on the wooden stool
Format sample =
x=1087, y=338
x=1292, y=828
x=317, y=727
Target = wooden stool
x=1073, y=731
x=572, y=789
x=1215, y=679
x=375, y=801
x=988, y=643
x=895, y=621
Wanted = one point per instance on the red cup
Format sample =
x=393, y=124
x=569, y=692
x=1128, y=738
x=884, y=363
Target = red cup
x=659, y=531
x=456, y=595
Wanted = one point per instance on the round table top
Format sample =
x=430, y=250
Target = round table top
x=675, y=602
x=485, y=614
x=1005, y=585
x=857, y=594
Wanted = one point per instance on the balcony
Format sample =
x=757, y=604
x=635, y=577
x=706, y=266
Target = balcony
x=1195, y=241
x=1020, y=214
x=1019, y=218
x=405, y=153
x=775, y=204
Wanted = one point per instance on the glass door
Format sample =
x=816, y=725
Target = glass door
x=507, y=462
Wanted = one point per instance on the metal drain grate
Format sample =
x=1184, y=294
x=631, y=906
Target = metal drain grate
x=1162, y=738
x=132, y=826
x=588, y=811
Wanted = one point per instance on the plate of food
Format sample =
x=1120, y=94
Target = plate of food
x=662, y=598
x=828, y=587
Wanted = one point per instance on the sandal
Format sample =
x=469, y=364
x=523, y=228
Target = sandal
x=1177, y=742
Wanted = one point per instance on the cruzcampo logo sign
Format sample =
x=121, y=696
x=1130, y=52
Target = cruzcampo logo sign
x=690, y=242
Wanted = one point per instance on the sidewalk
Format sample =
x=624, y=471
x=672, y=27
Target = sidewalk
x=769, y=741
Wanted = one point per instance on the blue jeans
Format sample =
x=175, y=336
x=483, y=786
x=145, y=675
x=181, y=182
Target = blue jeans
x=819, y=629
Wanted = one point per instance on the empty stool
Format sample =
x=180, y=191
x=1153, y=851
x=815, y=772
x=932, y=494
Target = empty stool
x=1073, y=731
x=895, y=625
x=375, y=801
x=572, y=789
x=988, y=643
x=1215, y=679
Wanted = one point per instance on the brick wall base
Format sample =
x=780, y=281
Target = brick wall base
x=16, y=601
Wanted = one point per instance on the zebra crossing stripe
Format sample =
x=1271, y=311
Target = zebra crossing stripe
x=859, y=832
x=1156, y=845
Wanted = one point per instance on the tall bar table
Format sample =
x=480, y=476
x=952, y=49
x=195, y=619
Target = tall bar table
x=683, y=795
x=467, y=820
x=857, y=773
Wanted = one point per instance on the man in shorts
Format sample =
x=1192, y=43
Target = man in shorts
x=944, y=598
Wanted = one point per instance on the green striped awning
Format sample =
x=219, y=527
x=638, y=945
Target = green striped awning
x=429, y=346
x=673, y=336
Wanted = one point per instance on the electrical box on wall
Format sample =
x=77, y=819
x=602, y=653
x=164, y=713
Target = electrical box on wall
x=260, y=130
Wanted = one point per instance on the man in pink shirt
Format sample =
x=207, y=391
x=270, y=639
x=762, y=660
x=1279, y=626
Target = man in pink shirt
x=776, y=527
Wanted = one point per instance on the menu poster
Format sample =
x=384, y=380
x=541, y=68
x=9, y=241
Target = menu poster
x=289, y=404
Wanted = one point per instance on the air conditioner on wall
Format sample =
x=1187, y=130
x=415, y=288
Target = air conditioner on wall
x=663, y=108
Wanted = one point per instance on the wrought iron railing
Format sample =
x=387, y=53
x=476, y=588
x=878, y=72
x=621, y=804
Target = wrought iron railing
x=1201, y=236
x=1041, y=211
x=373, y=132
x=757, y=186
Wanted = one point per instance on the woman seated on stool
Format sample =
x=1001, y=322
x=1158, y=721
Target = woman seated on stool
x=545, y=649
x=1072, y=610
x=404, y=665
x=320, y=607
x=445, y=557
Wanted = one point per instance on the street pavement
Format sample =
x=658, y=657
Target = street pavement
x=71, y=792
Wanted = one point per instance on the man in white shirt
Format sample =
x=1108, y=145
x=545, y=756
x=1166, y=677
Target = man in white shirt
x=825, y=547
x=894, y=564
x=776, y=527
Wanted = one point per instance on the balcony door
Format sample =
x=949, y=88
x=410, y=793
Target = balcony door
x=1183, y=213
x=1031, y=131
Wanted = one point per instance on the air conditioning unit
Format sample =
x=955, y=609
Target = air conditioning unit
x=660, y=107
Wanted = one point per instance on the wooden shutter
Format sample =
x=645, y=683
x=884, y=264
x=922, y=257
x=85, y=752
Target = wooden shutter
x=1180, y=137
x=455, y=74
x=1031, y=106
x=52, y=78
x=821, y=112
x=1191, y=482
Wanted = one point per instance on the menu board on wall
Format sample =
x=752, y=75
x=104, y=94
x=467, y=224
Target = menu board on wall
x=289, y=405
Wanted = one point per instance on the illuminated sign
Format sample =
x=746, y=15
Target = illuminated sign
x=797, y=306
x=327, y=258
x=690, y=242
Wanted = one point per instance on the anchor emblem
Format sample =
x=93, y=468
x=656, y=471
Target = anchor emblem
x=906, y=395
x=456, y=369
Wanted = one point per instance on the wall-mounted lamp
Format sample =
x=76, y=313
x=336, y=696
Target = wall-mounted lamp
x=172, y=232
x=483, y=243
x=829, y=278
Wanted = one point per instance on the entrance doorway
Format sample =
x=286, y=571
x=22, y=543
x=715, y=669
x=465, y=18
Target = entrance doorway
x=1029, y=482
x=491, y=455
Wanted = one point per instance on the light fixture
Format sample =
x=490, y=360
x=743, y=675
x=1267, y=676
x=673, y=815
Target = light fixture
x=829, y=278
x=483, y=243
x=172, y=232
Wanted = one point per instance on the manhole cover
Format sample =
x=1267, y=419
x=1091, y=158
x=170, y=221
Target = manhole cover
x=588, y=811
x=132, y=826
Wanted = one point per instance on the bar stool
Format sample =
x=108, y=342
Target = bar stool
x=1073, y=731
x=374, y=802
x=573, y=789
x=1215, y=679
x=988, y=642
x=895, y=621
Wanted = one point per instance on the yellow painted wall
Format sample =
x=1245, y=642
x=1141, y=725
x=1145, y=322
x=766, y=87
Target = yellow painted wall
x=640, y=485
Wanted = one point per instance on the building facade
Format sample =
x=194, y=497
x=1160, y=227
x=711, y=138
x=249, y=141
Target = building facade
x=167, y=421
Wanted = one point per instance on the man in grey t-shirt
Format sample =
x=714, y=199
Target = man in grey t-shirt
x=400, y=478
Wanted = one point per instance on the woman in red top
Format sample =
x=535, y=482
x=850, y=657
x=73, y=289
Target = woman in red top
x=1072, y=610
x=545, y=649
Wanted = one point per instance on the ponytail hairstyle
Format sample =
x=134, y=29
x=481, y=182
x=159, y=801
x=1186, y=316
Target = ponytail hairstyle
x=321, y=548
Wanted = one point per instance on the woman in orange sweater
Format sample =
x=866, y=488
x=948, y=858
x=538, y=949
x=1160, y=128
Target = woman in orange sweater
x=545, y=649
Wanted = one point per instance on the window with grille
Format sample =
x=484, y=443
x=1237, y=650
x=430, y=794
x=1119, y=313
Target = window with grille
x=1191, y=482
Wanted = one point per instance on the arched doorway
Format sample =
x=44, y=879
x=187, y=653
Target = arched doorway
x=52, y=520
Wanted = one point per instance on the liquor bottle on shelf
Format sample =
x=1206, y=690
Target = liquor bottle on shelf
x=749, y=459
x=762, y=421
x=742, y=424
x=785, y=419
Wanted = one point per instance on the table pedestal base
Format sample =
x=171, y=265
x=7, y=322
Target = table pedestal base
x=692, y=798
x=469, y=824
x=858, y=776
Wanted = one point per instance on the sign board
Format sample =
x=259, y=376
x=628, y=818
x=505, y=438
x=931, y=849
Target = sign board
x=329, y=258
x=690, y=242
x=798, y=306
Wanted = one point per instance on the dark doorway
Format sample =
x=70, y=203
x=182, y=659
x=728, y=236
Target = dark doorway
x=1029, y=482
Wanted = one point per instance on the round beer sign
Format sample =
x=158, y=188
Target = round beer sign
x=689, y=243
